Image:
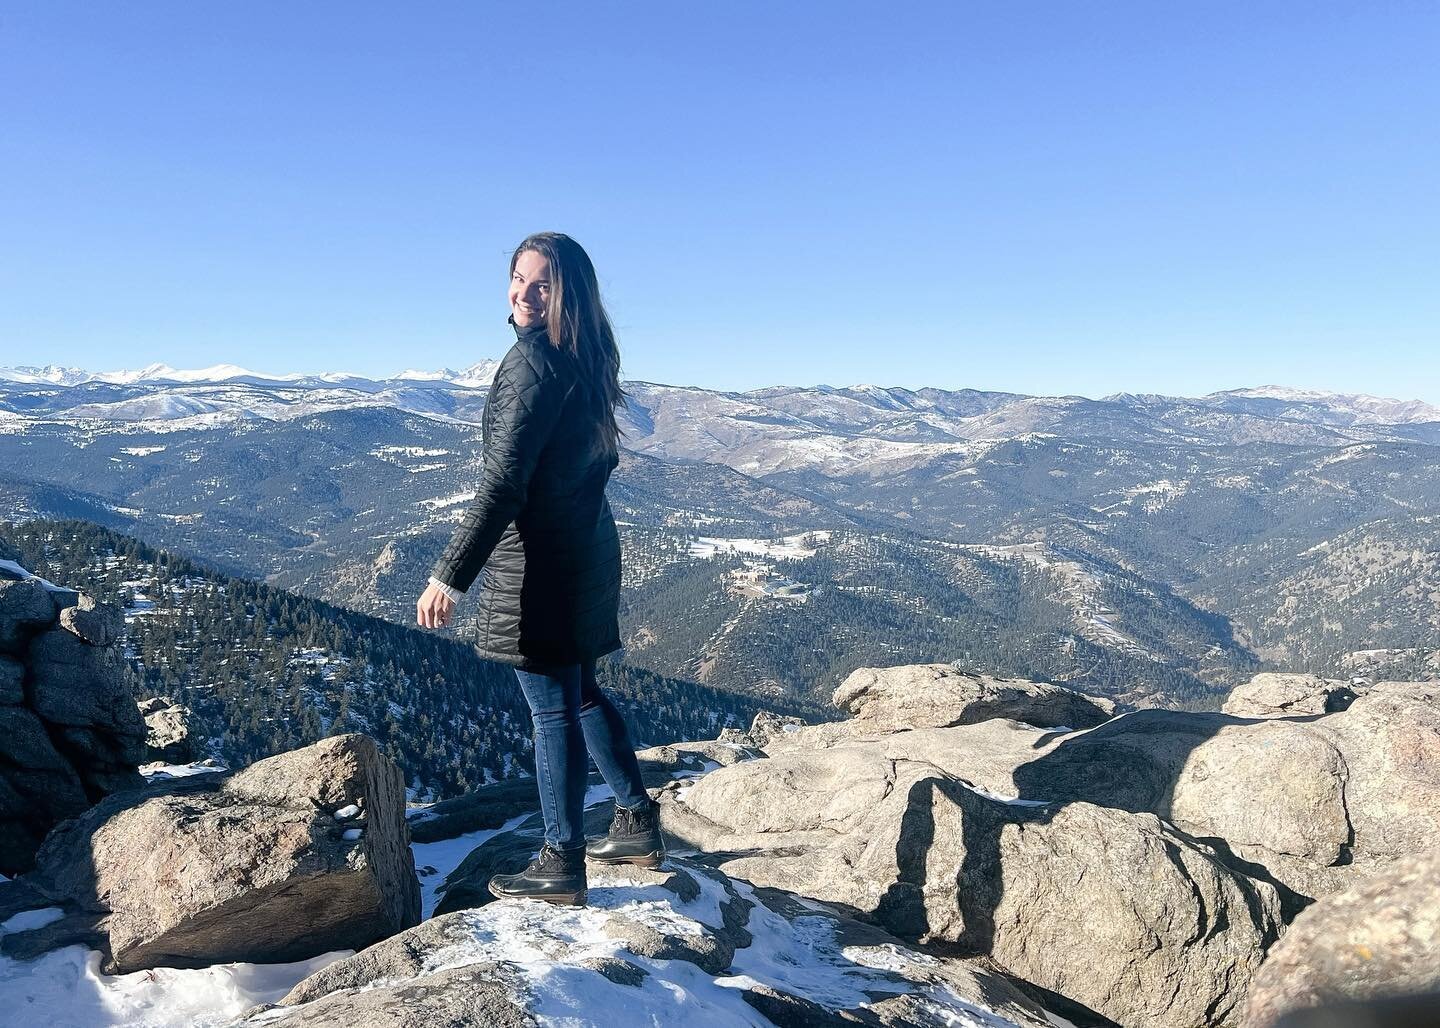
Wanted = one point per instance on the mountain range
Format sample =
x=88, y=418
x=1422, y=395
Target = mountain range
x=1153, y=548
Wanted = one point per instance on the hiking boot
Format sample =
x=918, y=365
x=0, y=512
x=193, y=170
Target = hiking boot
x=556, y=876
x=634, y=838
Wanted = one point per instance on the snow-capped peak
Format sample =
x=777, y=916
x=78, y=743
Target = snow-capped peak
x=1388, y=409
x=149, y=373
x=165, y=373
x=215, y=373
x=475, y=376
x=443, y=375
x=1276, y=392
x=51, y=373
x=481, y=374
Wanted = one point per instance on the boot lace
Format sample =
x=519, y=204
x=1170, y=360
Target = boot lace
x=550, y=859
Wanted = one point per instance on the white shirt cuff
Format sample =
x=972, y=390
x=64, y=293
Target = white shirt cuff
x=449, y=590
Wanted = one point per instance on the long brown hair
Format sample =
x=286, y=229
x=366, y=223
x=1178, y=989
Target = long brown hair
x=575, y=321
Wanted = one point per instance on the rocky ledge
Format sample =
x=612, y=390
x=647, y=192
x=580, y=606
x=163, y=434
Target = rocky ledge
x=962, y=850
x=685, y=944
x=1138, y=869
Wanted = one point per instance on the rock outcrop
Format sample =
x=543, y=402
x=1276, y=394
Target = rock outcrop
x=764, y=726
x=296, y=855
x=1271, y=694
x=1377, y=939
x=1111, y=909
x=1390, y=740
x=1305, y=803
x=172, y=735
x=1140, y=868
x=1311, y=803
x=485, y=993
x=70, y=733
x=941, y=696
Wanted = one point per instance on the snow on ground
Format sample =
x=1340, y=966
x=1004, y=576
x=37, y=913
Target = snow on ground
x=788, y=547
x=388, y=452
x=1014, y=801
x=65, y=988
x=1347, y=453
x=545, y=944
x=435, y=860
x=447, y=501
x=1152, y=496
x=162, y=772
x=22, y=574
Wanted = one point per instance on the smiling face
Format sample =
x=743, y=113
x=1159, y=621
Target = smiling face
x=529, y=288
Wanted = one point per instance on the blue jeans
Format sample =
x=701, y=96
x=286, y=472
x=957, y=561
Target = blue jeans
x=572, y=715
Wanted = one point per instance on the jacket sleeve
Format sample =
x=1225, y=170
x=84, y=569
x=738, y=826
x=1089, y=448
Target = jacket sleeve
x=526, y=402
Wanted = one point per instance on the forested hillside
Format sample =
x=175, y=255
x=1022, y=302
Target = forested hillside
x=794, y=615
x=268, y=671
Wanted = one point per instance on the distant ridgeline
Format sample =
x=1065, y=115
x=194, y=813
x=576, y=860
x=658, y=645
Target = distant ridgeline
x=268, y=671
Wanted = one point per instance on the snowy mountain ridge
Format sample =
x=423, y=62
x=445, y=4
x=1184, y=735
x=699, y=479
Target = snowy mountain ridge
x=1387, y=410
x=477, y=375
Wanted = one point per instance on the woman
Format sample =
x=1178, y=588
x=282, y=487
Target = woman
x=542, y=530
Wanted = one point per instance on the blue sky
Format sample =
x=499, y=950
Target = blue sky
x=1041, y=197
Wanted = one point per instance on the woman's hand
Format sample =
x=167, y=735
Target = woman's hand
x=433, y=609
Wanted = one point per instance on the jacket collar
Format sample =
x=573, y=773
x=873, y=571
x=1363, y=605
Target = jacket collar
x=527, y=331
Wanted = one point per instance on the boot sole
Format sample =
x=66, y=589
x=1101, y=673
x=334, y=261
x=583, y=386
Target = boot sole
x=563, y=899
x=654, y=859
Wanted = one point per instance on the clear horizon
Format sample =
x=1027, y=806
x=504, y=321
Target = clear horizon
x=1050, y=201
x=399, y=372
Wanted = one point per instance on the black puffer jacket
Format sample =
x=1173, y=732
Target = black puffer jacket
x=540, y=525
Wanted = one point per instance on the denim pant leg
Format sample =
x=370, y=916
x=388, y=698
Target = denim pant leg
x=609, y=742
x=561, y=769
